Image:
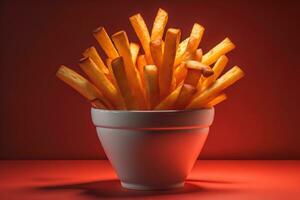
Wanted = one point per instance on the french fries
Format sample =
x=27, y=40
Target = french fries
x=166, y=74
x=151, y=82
x=134, y=50
x=105, y=42
x=159, y=25
x=230, y=77
x=169, y=101
x=141, y=62
x=180, y=73
x=194, y=71
x=180, y=51
x=186, y=93
x=156, y=48
x=82, y=86
x=189, y=47
x=218, y=69
x=221, y=49
x=142, y=32
x=121, y=42
x=194, y=41
x=101, y=82
x=93, y=54
x=166, y=69
x=122, y=81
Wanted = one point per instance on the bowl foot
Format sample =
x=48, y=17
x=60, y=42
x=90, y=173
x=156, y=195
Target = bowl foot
x=133, y=186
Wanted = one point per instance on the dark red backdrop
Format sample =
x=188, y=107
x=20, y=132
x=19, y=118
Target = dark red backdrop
x=41, y=118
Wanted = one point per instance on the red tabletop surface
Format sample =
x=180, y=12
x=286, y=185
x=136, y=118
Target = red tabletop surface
x=94, y=179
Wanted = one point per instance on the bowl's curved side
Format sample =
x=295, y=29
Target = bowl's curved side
x=152, y=159
x=153, y=119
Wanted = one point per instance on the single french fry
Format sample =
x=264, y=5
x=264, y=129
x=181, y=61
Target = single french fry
x=229, y=78
x=141, y=62
x=205, y=69
x=105, y=42
x=166, y=69
x=219, y=66
x=111, y=76
x=198, y=55
x=218, y=69
x=134, y=50
x=151, y=82
x=123, y=83
x=197, y=34
x=180, y=51
x=186, y=93
x=159, y=24
x=169, y=101
x=218, y=99
x=142, y=33
x=102, y=82
x=180, y=73
x=93, y=54
x=156, y=49
x=81, y=85
x=220, y=49
x=121, y=42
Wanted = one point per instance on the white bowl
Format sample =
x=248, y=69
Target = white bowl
x=152, y=150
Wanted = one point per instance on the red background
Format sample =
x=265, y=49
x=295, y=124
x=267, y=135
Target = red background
x=41, y=118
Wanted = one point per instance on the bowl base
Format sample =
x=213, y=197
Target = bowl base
x=133, y=186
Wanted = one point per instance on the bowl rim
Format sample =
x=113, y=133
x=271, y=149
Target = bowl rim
x=150, y=111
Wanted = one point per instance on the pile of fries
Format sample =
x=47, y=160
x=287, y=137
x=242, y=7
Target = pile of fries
x=167, y=75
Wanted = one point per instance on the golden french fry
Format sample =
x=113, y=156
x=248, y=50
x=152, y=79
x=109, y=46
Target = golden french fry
x=81, y=85
x=111, y=76
x=166, y=69
x=102, y=82
x=218, y=69
x=105, y=42
x=134, y=50
x=229, y=78
x=141, y=63
x=151, y=82
x=180, y=51
x=221, y=49
x=196, y=34
x=218, y=99
x=93, y=54
x=198, y=55
x=156, y=49
x=121, y=42
x=169, y=101
x=205, y=69
x=159, y=24
x=142, y=32
x=186, y=93
x=180, y=73
x=219, y=66
x=123, y=83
